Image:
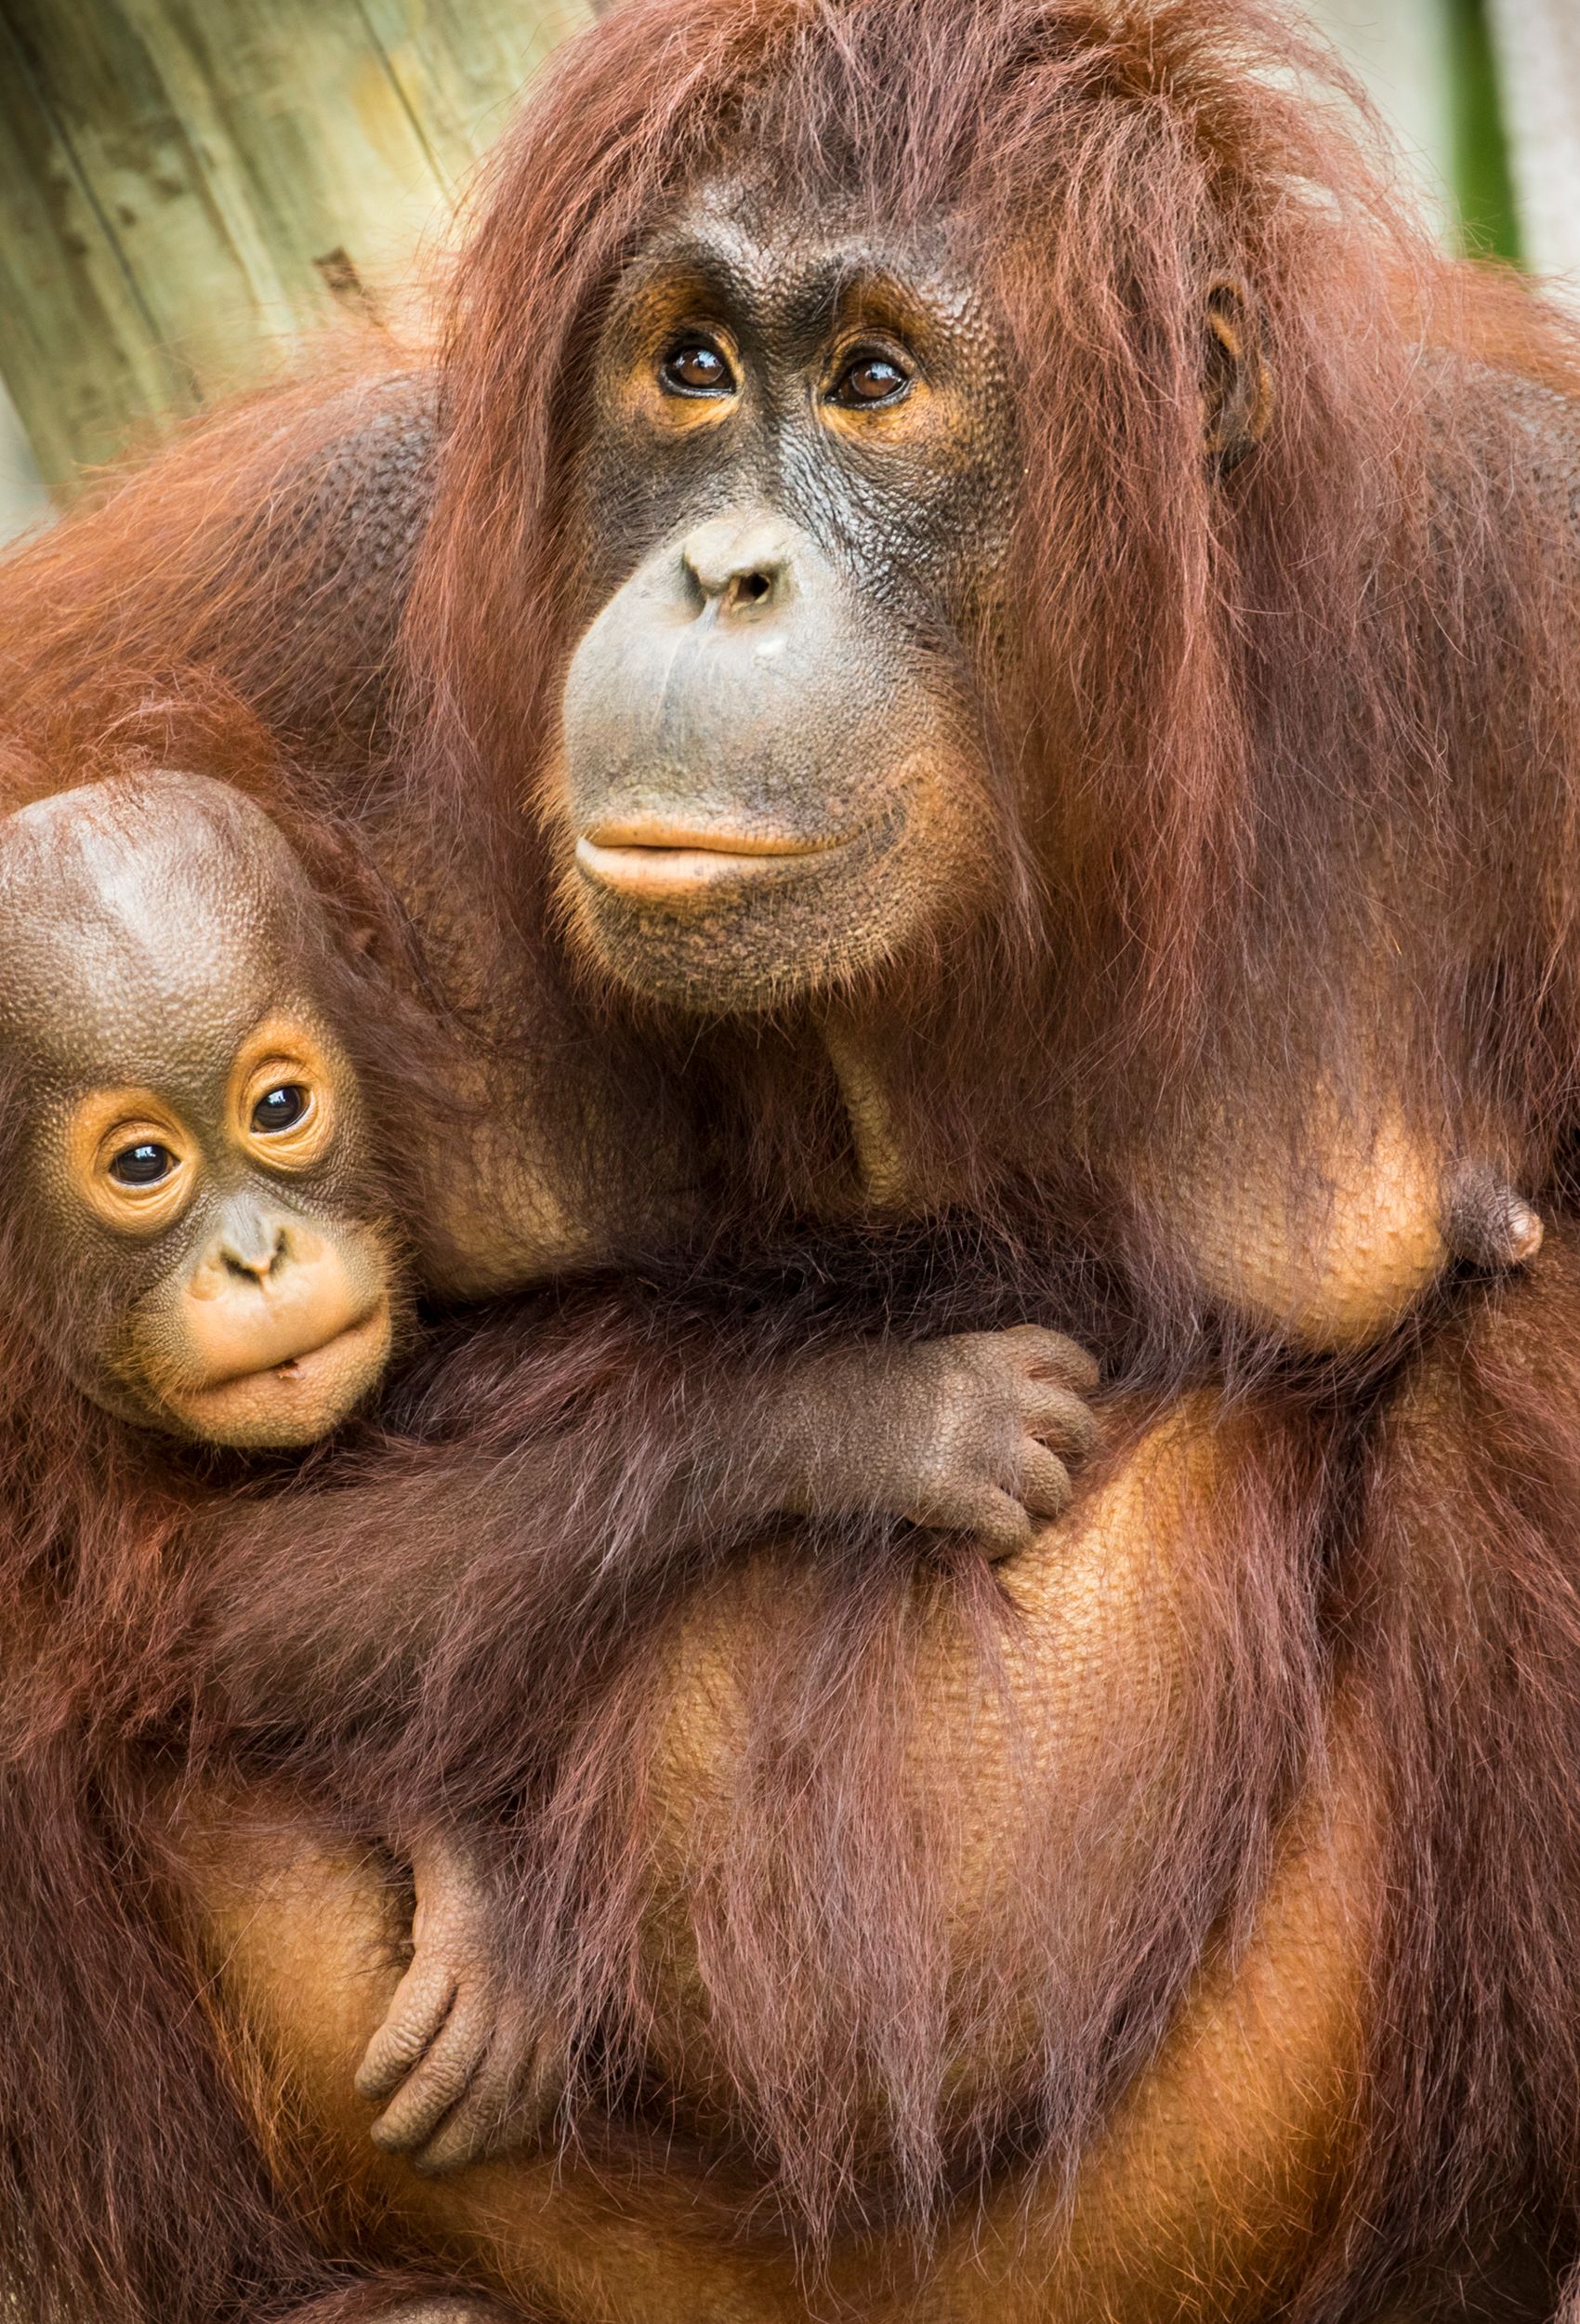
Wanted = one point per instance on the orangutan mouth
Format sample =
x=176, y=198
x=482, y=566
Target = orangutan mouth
x=649, y=859
x=310, y=1369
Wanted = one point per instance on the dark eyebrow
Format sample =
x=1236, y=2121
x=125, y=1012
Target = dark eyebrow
x=876, y=287
x=818, y=293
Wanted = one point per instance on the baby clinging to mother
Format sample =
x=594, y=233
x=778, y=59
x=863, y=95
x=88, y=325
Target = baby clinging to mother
x=882, y=676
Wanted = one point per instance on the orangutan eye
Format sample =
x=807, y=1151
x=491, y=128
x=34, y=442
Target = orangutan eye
x=695, y=368
x=870, y=379
x=280, y=1108
x=142, y=1165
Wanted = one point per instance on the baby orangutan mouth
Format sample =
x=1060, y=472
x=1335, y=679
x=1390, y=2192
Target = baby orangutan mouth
x=289, y=1397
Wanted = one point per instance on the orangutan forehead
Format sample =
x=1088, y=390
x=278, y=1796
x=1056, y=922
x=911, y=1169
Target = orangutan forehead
x=731, y=247
x=122, y=990
x=137, y=931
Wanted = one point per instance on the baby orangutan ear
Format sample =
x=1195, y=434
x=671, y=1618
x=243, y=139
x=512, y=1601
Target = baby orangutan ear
x=1236, y=388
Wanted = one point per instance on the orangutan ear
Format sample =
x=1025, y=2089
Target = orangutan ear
x=1236, y=389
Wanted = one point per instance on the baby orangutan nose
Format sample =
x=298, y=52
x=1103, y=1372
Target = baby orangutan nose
x=251, y=1244
x=277, y=1330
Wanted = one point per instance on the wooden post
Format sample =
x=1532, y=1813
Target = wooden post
x=191, y=189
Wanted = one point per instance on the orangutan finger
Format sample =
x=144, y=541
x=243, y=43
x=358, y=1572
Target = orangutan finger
x=998, y=1522
x=1045, y=1482
x=472, y=2127
x=435, y=2085
x=1058, y=1417
x=1054, y=1356
x=519, y=2083
x=417, y=2010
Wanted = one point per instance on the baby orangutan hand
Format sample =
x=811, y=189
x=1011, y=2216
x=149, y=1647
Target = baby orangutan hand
x=461, y=2065
x=970, y=1434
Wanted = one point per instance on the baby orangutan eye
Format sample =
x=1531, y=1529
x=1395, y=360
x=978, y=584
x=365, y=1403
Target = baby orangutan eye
x=695, y=368
x=142, y=1165
x=280, y=1108
x=871, y=378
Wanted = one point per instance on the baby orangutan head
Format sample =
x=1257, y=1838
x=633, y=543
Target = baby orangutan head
x=188, y=1152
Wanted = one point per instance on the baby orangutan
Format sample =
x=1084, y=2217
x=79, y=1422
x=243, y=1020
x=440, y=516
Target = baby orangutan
x=202, y=1210
x=210, y=1237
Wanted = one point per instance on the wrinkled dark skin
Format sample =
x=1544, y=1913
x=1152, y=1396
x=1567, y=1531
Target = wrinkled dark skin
x=815, y=529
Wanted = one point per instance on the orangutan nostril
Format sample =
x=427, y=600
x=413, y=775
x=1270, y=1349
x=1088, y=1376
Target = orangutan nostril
x=747, y=589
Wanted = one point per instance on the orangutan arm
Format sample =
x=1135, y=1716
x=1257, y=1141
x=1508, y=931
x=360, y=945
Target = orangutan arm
x=315, y=1611
x=383, y=1604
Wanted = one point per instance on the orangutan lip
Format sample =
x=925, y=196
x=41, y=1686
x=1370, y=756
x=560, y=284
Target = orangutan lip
x=652, y=859
x=304, y=1365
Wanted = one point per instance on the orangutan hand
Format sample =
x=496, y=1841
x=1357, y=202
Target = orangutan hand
x=970, y=1434
x=462, y=2067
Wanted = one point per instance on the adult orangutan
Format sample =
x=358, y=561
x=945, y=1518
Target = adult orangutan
x=1035, y=627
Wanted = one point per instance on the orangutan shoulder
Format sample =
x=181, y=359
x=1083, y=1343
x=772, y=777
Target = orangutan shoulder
x=374, y=478
x=311, y=545
x=1502, y=415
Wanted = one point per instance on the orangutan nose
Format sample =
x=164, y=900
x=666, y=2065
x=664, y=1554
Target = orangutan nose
x=258, y=1258
x=738, y=564
x=255, y=1248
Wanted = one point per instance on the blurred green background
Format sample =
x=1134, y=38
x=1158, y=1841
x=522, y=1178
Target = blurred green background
x=192, y=191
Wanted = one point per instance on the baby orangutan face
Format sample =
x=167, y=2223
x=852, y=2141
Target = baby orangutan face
x=190, y=1137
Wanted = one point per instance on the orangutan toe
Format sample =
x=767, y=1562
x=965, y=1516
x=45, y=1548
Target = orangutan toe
x=417, y=2016
x=1049, y=1354
x=518, y=2083
x=436, y=2080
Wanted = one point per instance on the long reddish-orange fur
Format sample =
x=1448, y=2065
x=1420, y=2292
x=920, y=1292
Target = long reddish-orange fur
x=1287, y=764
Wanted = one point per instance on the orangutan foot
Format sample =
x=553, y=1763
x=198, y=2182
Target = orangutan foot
x=462, y=2068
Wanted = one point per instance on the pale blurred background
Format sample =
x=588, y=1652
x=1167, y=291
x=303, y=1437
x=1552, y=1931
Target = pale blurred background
x=192, y=191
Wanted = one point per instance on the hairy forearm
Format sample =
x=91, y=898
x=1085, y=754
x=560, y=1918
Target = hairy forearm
x=321, y=1603
x=322, y=1609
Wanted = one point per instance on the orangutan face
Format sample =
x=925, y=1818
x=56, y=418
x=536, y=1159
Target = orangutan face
x=187, y=1136
x=773, y=767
